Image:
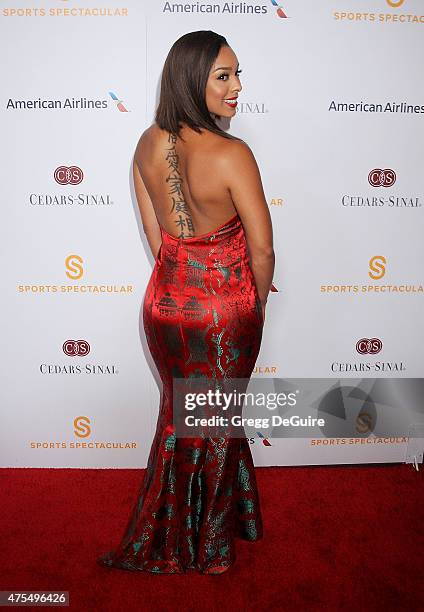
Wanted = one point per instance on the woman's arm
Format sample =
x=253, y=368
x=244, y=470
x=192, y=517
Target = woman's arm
x=148, y=216
x=241, y=173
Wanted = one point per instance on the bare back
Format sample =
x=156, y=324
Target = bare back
x=188, y=193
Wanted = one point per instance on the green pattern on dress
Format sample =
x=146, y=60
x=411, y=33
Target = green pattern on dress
x=171, y=480
x=246, y=506
x=170, y=442
x=224, y=550
x=251, y=529
x=243, y=476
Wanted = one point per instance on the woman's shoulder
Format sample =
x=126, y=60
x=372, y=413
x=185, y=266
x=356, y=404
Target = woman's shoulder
x=226, y=149
x=236, y=154
x=151, y=132
x=149, y=139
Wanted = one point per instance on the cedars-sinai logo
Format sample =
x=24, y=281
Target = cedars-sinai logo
x=280, y=11
x=76, y=348
x=382, y=178
x=370, y=346
x=68, y=175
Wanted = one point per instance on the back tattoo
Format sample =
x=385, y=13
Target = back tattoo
x=179, y=207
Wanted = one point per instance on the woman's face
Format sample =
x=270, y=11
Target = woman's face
x=223, y=84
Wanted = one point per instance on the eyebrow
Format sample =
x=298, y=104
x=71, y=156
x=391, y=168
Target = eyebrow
x=224, y=68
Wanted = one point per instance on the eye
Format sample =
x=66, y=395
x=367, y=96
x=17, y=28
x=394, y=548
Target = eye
x=225, y=74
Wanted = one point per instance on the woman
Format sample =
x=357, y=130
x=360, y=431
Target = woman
x=207, y=223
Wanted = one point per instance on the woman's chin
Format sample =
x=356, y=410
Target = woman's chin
x=226, y=113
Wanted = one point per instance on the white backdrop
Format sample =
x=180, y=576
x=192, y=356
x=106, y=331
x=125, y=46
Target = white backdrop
x=80, y=83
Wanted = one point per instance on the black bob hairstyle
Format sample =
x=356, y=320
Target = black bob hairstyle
x=183, y=83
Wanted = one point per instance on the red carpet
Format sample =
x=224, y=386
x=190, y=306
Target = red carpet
x=336, y=538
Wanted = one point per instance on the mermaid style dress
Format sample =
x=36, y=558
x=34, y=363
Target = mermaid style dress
x=202, y=317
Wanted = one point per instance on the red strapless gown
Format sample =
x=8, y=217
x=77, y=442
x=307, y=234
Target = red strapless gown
x=202, y=316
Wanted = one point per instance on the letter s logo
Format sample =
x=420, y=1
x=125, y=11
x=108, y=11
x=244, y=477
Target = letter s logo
x=75, y=270
x=376, y=264
x=82, y=427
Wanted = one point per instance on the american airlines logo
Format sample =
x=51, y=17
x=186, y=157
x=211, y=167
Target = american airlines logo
x=119, y=104
x=280, y=12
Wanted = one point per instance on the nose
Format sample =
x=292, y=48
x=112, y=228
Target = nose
x=238, y=87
